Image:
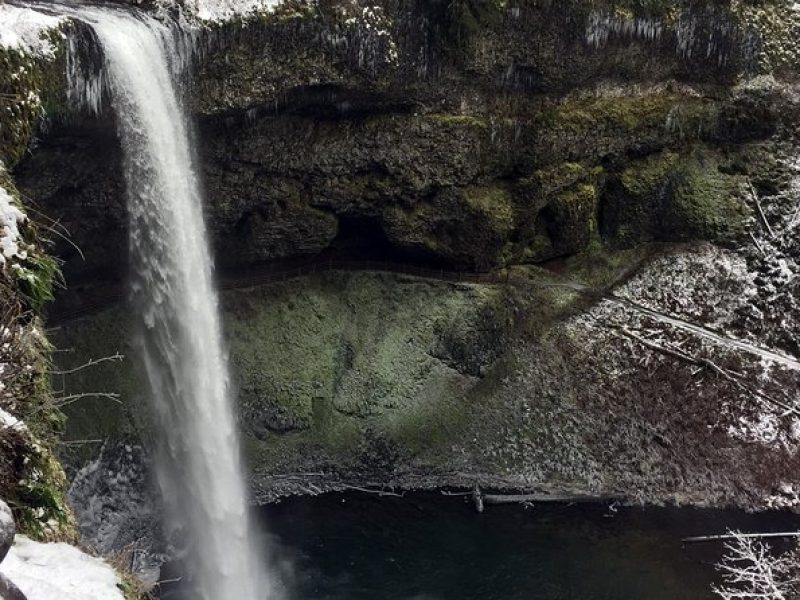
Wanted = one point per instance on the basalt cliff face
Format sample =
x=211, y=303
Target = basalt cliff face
x=472, y=135
x=623, y=176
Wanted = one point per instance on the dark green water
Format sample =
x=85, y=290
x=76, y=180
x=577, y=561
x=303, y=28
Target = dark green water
x=431, y=547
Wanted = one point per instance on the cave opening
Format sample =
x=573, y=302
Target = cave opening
x=364, y=239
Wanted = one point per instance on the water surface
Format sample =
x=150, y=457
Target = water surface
x=431, y=547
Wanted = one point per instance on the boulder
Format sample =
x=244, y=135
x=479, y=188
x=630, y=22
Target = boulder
x=8, y=591
x=7, y=530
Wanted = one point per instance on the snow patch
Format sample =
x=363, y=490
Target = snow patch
x=11, y=218
x=705, y=284
x=26, y=30
x=787, y=496
x=9, y=421
x=59, y=571
x=763, y=428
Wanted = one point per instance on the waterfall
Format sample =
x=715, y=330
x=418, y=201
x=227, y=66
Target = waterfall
x=199, y=467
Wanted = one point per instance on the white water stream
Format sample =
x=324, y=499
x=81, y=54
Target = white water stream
x=199, y=466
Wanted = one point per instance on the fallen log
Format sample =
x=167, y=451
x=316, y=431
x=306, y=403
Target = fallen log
x=560, y=499
x=733, y=536
x=481, y=499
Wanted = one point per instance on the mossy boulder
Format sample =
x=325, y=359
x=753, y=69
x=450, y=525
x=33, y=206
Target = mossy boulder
x=468, y=227
x=672, y=196
x=708, y=204
x=559, y=209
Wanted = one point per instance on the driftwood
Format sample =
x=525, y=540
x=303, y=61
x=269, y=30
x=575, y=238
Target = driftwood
x=525, y=498
x=376, y=492
x=481, y=500
x=733, y=536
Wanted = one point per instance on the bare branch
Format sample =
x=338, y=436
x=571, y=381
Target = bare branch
x=71, y=399
x=92, y=363
x=761, y=214
x=750, y=570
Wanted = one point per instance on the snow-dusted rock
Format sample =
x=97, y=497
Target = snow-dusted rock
x=59, y=572
x=26, y=29
x=7, y=529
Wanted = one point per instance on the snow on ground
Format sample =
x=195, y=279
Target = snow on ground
x=220, y=10
x=705, y=284
x=59, y=572
x=26, y=29
x=10, y=219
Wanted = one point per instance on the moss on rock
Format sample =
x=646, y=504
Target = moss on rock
x=31, y=479
x=563, y=199
x=672, y=196
x=335, y=367
x=708, y=204
x=774, y=28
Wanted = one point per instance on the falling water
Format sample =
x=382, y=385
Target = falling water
x=199, y=466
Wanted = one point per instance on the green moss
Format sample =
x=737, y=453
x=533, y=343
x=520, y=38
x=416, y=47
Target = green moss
x=93, y=417
x=26, y=85
x=709, y=204
x=19, y=105
x=669, y=196
x=776, y=23
x=631, y=113
x=494, y=203
x=316, y=361
x=645, y=178
x=553, y=179
x=565, y=198
x=636, y=198
x=572, y=218
x=32, y=480
x=37, y=278
x=667, y=10
x=39, y=503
